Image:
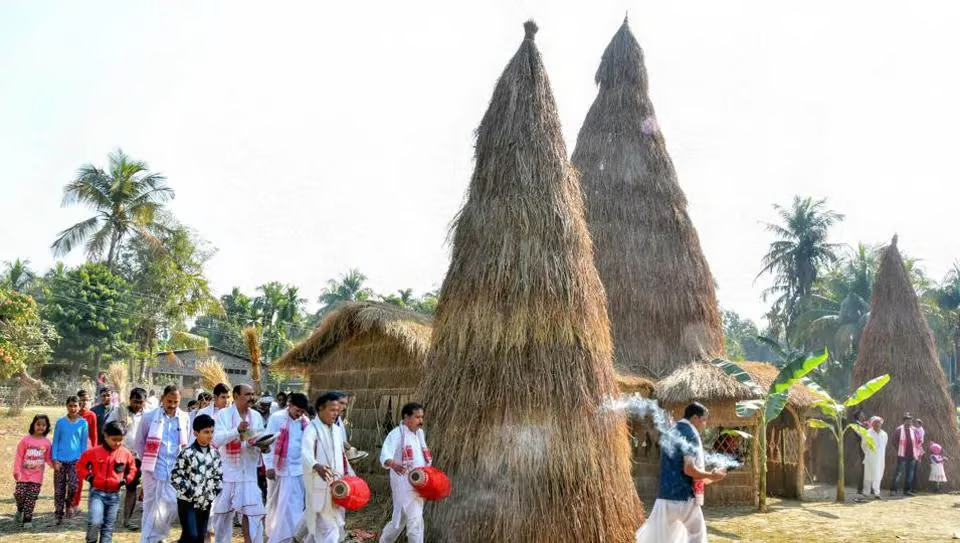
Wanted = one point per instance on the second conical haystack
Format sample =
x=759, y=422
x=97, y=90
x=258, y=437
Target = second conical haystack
x=660, y=293
x=520, y=363
x=897, y=341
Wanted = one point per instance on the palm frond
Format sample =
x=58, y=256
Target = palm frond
x=68, y=239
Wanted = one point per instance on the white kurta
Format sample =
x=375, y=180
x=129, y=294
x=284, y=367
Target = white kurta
x=873, y=461
x=240, y=492
x=407, y=504
x=285, y=494
x=322, y=445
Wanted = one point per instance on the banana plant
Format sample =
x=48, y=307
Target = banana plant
x=769, y=403
x=834, y=412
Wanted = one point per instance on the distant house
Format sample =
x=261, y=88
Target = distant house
x=180, y=367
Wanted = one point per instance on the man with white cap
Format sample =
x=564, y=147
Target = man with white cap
x=873, y=459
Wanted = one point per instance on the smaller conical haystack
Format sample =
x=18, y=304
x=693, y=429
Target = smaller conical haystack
x=897, y=341
x=660, y=293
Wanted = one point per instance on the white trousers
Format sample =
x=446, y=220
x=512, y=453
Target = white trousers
x=411, y=517
x=328, y=530
x=245, y=498
x=159, y=509
x=674, y=522
x=870, y=484
x=285, y=505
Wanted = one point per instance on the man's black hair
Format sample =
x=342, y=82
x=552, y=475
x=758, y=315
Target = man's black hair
x=409, y=409
x=202, y=422
x=325, y=398
x=298, y=399
x=138, y=394
x=221, y=389
x=695, y=409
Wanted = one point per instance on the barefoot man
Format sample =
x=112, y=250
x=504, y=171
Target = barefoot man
x=285, y=497
x=404, y=449
x=323, y=456
x=676, y=516
x=234, y=434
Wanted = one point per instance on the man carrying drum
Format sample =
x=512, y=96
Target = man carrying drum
x=405, y=449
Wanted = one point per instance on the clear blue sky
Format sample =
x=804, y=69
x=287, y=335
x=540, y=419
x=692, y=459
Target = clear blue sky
x=305, y=138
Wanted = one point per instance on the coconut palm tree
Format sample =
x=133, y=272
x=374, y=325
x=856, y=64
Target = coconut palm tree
x=799, y=252
x=128, y=200
x=348, y=288
x=18, y=276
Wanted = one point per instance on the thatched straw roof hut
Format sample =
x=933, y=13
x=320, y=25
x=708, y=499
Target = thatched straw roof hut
x=786, y=435
x=521, y=358
x=660, y=293
x=375, y=350
x=897, y=341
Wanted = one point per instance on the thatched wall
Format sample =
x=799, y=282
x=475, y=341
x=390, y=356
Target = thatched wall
x=660, y=293
x=897, y=341
x=375, y=351
x=521, y=357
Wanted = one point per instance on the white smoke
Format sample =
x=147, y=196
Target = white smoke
x=670, y=438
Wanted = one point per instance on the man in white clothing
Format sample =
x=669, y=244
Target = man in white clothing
x=235, y=433
x=285, y=494
x=323, y=455
x=873, y=460
x=162, y=435
x=405, y=449
x=221, y=400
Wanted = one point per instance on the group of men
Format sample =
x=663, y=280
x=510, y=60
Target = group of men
x=302, y=461
x=909, y=440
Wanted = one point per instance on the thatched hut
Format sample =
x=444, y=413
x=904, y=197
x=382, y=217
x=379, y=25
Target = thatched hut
x=521, y=357
x=897, y=341
x=660, y=293
x=786, y=435
x=374, y=350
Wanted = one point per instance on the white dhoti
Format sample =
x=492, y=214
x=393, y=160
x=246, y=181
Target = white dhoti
x=159, y=509
x=674, y=522
x=873, y=461
x=410, y=517
x=240, y=497
x=285, y=505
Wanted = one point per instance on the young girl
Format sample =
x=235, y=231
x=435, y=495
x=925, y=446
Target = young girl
x=937, y=474
x=33, y=454
x=69, y=441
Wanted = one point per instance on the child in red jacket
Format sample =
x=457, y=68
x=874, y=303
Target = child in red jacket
x=107, y=468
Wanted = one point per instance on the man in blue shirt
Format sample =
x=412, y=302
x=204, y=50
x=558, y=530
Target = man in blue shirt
x=676, y=516
x=162, y=433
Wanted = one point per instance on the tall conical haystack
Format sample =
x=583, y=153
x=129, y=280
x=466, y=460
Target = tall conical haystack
x=897, y=341
x=660, y=293
x=521, y=357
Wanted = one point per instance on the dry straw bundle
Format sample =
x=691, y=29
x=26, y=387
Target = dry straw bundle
x=897, y=341
x=660, y=293
x=211, y=373
x=117, y=377
x=521, y=358
x=251, y=338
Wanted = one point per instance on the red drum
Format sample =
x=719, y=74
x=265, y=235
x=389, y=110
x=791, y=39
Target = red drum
x=430, y=483
x=351, y=493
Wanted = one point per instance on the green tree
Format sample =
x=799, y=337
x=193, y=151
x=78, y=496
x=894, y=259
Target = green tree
x=769, y=405
x=26, y=340
x=167, y=275
x=92, y=310
x=741, y=340
x=127, y=200
x=18, y=276
x=348, y=288
x=835, y=412
x=796, y=256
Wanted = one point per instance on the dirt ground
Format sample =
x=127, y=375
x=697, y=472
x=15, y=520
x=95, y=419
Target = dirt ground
x=926, y=518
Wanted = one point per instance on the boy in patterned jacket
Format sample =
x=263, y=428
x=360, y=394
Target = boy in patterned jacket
x=197, y=478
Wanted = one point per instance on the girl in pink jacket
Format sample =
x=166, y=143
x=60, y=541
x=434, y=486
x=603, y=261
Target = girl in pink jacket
x=33, y=455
